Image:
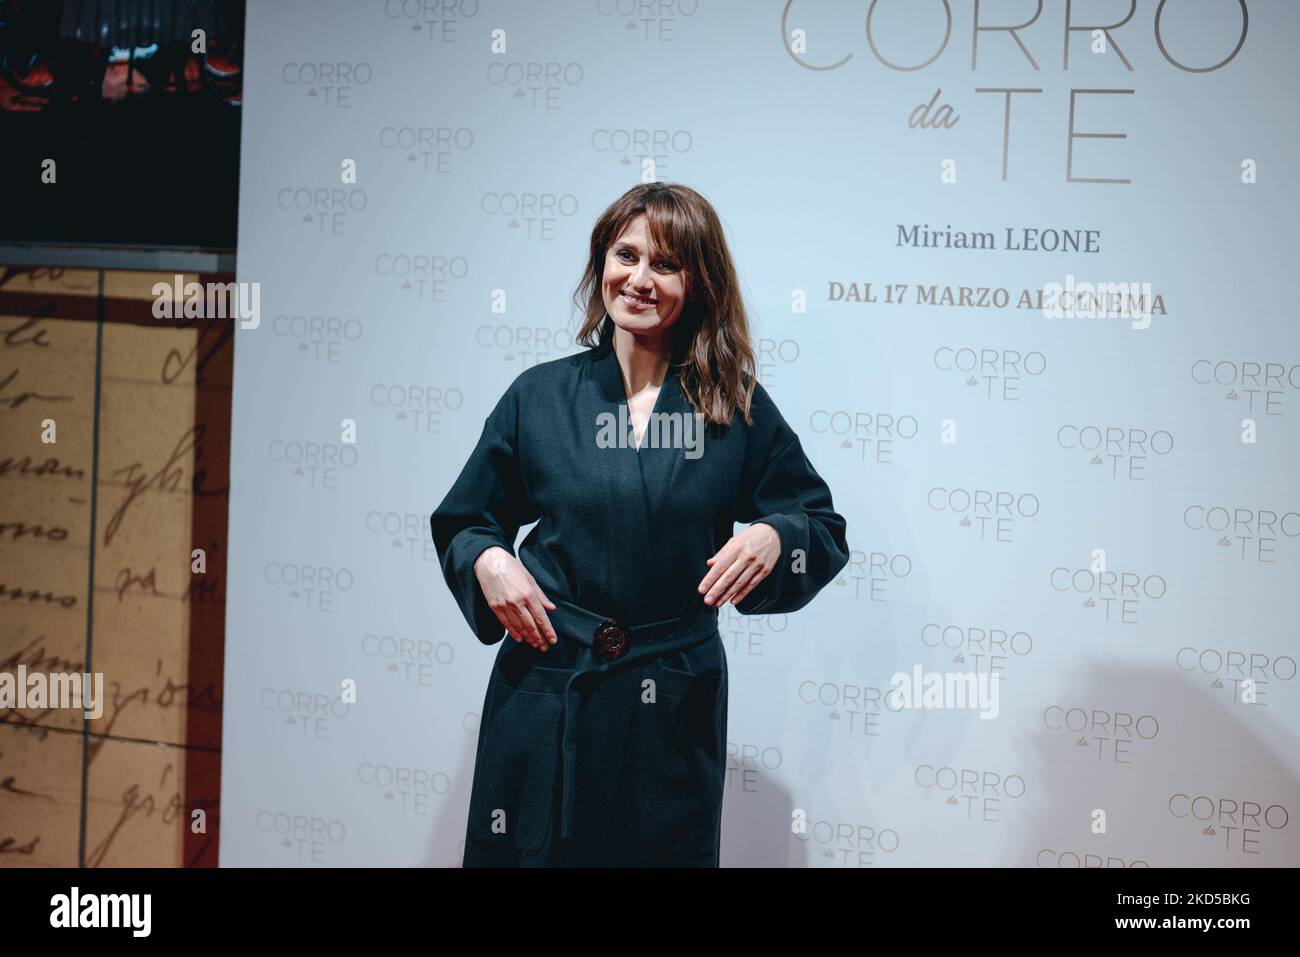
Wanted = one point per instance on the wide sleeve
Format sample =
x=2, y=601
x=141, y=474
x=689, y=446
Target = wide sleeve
x=486, y=506
x=781, y=488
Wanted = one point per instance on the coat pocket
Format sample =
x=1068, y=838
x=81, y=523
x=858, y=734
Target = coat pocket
x=678, y=777
x=689, y=673
x=673, y=681
x=516, y=773
x=692, y=701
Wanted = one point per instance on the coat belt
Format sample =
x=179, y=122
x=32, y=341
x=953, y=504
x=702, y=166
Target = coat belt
x=643, y=641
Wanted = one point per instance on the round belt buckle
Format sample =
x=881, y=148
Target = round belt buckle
x=609, y=640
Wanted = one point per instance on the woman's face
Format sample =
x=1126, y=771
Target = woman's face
x=644, y=292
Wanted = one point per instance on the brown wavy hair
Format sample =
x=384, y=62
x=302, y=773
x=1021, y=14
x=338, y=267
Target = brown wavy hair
x=710, y=339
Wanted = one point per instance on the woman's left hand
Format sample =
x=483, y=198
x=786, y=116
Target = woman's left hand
x=741, y=564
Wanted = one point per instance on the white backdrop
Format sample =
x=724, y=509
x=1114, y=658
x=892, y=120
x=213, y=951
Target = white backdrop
x=1101, y=511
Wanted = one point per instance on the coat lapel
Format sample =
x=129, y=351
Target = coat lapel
x=659, y=465
x=625, y=470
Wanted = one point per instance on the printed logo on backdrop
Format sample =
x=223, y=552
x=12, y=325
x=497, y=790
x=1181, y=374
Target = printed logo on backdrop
x=774, y=361
x=993, y=515
x=407, y=532
x=876, y=576
x=318, y=466
x=1119, y=452
x=427, y=149
x=1246, y=534
x=870, y=437
x=422, y=409
x=997, y=374
x=984, y=650
x=469, y=722
x=842, y=843
x=423, y=276
x=1120, y=595
x=427, y=22
x=972, y=795
x=408, y=661
x=1247, y=677
x=521, y=346
x=657, y=22
x=748, y=764
x=1232, y=824
x=532, y=216
x=322, y=210
x=855, y=709
x=408, y=792
x=1262, y=387
x=646, y=150
x=328, y=85
x=1106, y=737
x=301, y=838
x=313, y=588
x=535, y=84
x=1050, y=857
x=320, y=339
x=749, y=634
x=911, y=38
x=304, y=714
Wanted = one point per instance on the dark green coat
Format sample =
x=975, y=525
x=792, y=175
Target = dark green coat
x=582, y=759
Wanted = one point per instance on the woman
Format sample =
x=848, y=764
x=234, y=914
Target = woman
x=603, y=734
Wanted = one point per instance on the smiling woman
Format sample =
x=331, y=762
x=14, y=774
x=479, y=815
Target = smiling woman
x=603, y=731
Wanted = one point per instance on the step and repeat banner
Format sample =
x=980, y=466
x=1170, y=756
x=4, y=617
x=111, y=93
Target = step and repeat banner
x=1020, y=276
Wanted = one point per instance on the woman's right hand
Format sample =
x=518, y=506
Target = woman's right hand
x=514, y=597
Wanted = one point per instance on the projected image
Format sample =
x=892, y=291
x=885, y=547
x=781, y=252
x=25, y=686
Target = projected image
x=75, y=51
